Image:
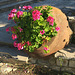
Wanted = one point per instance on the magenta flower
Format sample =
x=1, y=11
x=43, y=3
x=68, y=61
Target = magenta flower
x=25, y=7
x=19, y=7
x=20, y=29
x=28, y=43
x=10, y=16
x=42, y=32
x=19, y=13
x=50, y=20
x=13, y=11
x=57, y=28
x=12, y=29
x=46, y=48
x=15, y=44
x=36, y=15
x=29, y=7
x=14, y=36
x=7, y=29
x=19, y=46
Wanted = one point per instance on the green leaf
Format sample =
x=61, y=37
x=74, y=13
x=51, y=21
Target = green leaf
x=41, y=18
x=48, y=51
x=24, y=13
x=49, y=14
x=36, y=45
x=54, y=34
x=45, y=46
x=39, y=23
x=45, y=51
x=48, y=38
x=43, y=36
x=46, y=29
x=24, y=46
x=39, y=35
x=37, y=39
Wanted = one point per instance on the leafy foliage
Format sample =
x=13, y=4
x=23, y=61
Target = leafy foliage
x=34, y=31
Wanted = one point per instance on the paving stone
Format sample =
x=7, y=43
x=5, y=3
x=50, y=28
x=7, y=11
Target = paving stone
x=71, y=17
x=32, y=60
x=66, y=53
x=14, y=69
x=68, y=69
x=52, y=61
x=5, y=69
x=22, y=58
x=72, y=63
x=55, y=68
x=1, y=64
x=43, y=62
x=62, y=62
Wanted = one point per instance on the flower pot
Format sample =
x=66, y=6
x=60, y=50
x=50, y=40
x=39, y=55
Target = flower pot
x=58, y=42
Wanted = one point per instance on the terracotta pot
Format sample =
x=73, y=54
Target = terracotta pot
x=58, y=42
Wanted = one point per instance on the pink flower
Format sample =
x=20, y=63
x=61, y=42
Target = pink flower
x=29, y=7
x=14, y=36
x=20, y=29
x=36, y=12
x=19, y=13
x=12, y=29
x=10, y=16
x=7, y=29
x=25, y=7
x=20, y=46
x=13, y=11
x=57, y=28
x=29, y=43
x=19, y=7
x=50, y=20
x=36, y=15
x=46, y=48
x=15, y=44
x=42, y=32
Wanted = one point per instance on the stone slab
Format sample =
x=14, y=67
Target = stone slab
x=66, y=53
x=6, y=68
x=72, y=63
x=62, y=62
x=20, y=55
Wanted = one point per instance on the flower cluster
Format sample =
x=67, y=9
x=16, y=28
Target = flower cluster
x=50, y=20
x=36, y=15
x=33, y=27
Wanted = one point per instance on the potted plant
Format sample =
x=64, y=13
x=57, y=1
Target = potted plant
x=35, y=29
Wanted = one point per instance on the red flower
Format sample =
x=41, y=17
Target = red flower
x=36, y=15
x=25, y=7
x=29, y=7
x=57, y=28
x=10, y=16
x=50, y=20
x=15, y=44
x=14, y=36
x=7, y=29
x=19, y=13
x=13, y=11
